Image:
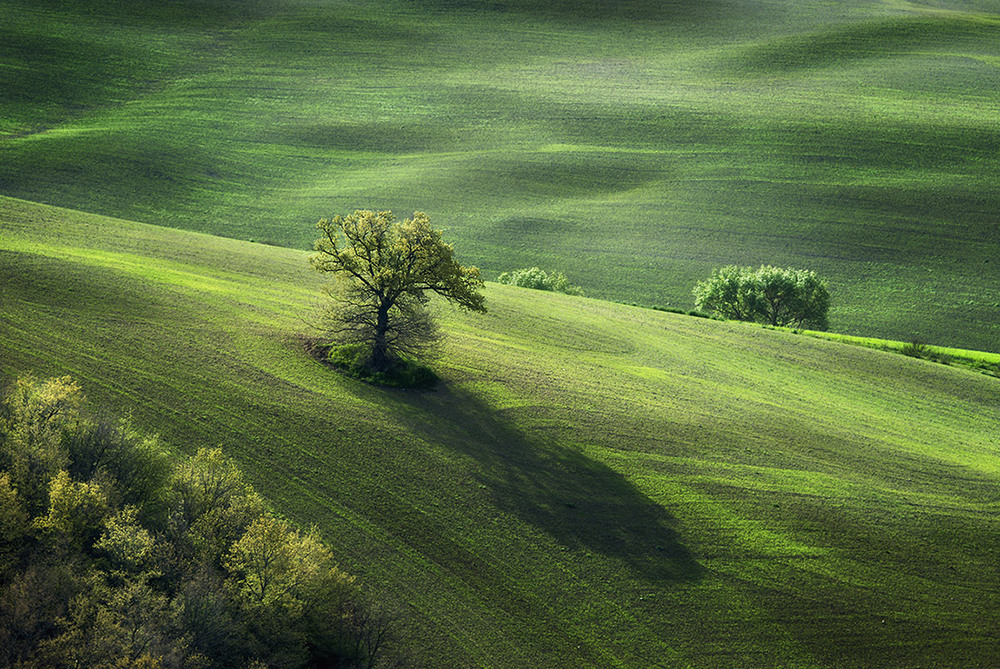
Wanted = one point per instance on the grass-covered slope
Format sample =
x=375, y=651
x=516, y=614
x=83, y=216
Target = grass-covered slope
x=592, y=484
x=632, y=145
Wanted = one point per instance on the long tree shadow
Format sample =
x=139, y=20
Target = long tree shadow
x=582, y=503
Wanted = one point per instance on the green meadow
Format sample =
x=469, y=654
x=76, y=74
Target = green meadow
x=634, y=146
x=590, y=485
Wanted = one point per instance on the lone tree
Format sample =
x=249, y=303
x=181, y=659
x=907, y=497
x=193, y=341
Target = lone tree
x=768, y=295
x=386, y=271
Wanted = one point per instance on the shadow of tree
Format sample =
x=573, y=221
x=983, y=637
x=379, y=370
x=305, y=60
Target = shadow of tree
x=582, y=503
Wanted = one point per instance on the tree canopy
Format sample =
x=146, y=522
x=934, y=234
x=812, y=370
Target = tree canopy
x=114, y=553
x=387, y=270
x=768, y=295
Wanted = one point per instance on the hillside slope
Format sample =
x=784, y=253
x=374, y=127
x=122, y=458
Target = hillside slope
x=633, y=145
x=592, y=485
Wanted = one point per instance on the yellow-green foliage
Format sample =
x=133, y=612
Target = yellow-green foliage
x=35, y=418
x=218, y=580
x=128, y=544
x=213, y=503
x=283, y=572
x=76, y=509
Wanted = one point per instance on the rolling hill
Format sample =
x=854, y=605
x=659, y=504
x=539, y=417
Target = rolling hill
x=591, y=485
x=633, y=145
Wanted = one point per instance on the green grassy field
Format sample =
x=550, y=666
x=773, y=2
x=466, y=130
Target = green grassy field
x=634, y=146
x=592, y=485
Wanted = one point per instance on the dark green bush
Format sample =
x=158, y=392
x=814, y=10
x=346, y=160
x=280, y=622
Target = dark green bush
x=916, y=349
x=352, y=360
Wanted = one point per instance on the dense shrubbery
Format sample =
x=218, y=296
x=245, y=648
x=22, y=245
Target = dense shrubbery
x=112, y=556
x=768, y=295
x=532, y=277
x=352, y=360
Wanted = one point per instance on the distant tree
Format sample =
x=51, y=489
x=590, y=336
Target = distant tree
x=387, y=270
x=730, y=293
x=539, y=279
x=771, y=295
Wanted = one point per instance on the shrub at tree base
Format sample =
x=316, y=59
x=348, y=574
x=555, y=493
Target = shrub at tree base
x=770, y=295
x=352, y=360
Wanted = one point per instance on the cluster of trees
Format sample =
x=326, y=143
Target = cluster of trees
x=538, y=279
x=112, y=556
x=386, y=271
x=770, y=295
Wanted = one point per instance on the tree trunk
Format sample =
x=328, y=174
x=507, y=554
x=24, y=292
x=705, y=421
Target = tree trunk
x=379, y=361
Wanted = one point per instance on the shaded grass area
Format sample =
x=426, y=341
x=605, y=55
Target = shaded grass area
x=591, y=484
x=633, y=146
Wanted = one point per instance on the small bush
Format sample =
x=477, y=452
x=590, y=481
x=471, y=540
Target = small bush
x=539, y=279
x=351, y=359
x=916, y=349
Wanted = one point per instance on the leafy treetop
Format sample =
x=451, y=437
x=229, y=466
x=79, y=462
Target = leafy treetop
x=391, y=259
x=770, y=295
